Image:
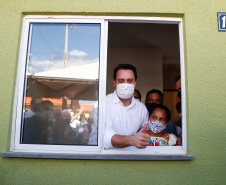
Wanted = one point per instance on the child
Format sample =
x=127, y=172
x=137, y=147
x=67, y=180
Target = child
x=159, y=116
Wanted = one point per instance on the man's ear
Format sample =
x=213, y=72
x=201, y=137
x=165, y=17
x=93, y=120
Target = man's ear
x=114, y=83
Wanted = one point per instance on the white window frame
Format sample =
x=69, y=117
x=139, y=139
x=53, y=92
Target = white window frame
x=103, y=20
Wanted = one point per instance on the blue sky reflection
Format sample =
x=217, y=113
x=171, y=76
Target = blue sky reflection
x=48, y=43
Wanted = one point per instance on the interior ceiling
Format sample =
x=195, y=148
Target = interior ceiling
x=145, y=35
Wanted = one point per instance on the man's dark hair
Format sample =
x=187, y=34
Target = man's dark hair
x=126, y=67
x=138, y=93
x=153, y=106
x=155, y=91
x=177, y=78
x=46, y=102
x=34, y=98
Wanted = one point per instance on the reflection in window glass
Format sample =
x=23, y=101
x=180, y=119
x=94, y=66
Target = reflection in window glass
x=61, y=100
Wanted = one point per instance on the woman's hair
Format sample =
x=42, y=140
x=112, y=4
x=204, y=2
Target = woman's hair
x=153, y=106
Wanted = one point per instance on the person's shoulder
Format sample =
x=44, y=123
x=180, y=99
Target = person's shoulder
x=29, y=113
x=32, y=119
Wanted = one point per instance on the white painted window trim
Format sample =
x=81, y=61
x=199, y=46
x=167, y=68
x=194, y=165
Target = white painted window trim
x=15, y=135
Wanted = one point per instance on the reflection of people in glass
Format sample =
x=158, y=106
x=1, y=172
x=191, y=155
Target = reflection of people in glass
x=93, y=134
x=60, y=131
x=158, y=120
x=71, y=135
x=75, y=121
x=35, y=127
x=55, y=130
x=80, y=122
x=124, y=115
x=34, y=106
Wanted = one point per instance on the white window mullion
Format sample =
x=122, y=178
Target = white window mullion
x=102, y=80
x=183, y=90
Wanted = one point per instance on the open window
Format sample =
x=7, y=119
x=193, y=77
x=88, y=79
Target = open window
x=65, y=71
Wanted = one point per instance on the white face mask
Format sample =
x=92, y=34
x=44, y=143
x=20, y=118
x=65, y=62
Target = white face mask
x=155, y=126
x=125, y=90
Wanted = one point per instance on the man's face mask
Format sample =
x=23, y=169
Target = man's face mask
x=125, y=90
x=151, y=104
x=155, y=126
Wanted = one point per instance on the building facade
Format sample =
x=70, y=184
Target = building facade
x=203, y=70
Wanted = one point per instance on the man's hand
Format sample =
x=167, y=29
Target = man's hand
x=141, y=139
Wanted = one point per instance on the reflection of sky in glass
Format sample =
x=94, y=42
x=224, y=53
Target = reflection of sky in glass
x=48, y=43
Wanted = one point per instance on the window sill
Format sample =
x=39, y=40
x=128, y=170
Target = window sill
x=99, y=156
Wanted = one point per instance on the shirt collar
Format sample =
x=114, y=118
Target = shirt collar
x=117, y=100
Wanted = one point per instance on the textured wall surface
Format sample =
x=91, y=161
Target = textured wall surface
x=205, y=57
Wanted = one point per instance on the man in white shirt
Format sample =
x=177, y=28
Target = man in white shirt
x=124, y=114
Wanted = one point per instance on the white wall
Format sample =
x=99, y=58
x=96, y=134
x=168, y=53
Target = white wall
x=148, y=62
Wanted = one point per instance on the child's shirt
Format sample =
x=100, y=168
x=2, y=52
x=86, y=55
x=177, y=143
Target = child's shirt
x=170, y=140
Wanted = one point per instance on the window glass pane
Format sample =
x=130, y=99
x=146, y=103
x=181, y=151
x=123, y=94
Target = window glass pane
x=61, y=87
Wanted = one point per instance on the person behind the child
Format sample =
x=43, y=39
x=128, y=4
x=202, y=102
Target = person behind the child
x=159, y=116
x=154, y=96
x=137, y=95
x=178, y=119
x=178, y=85
x=71, y=135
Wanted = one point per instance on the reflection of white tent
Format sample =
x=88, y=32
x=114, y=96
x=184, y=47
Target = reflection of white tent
x=81, y=72
x=73, y=82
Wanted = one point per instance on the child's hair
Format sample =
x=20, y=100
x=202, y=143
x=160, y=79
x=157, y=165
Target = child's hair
x=152, y=106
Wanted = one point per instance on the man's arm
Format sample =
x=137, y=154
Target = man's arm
x=111, y=137
x=139, y=140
